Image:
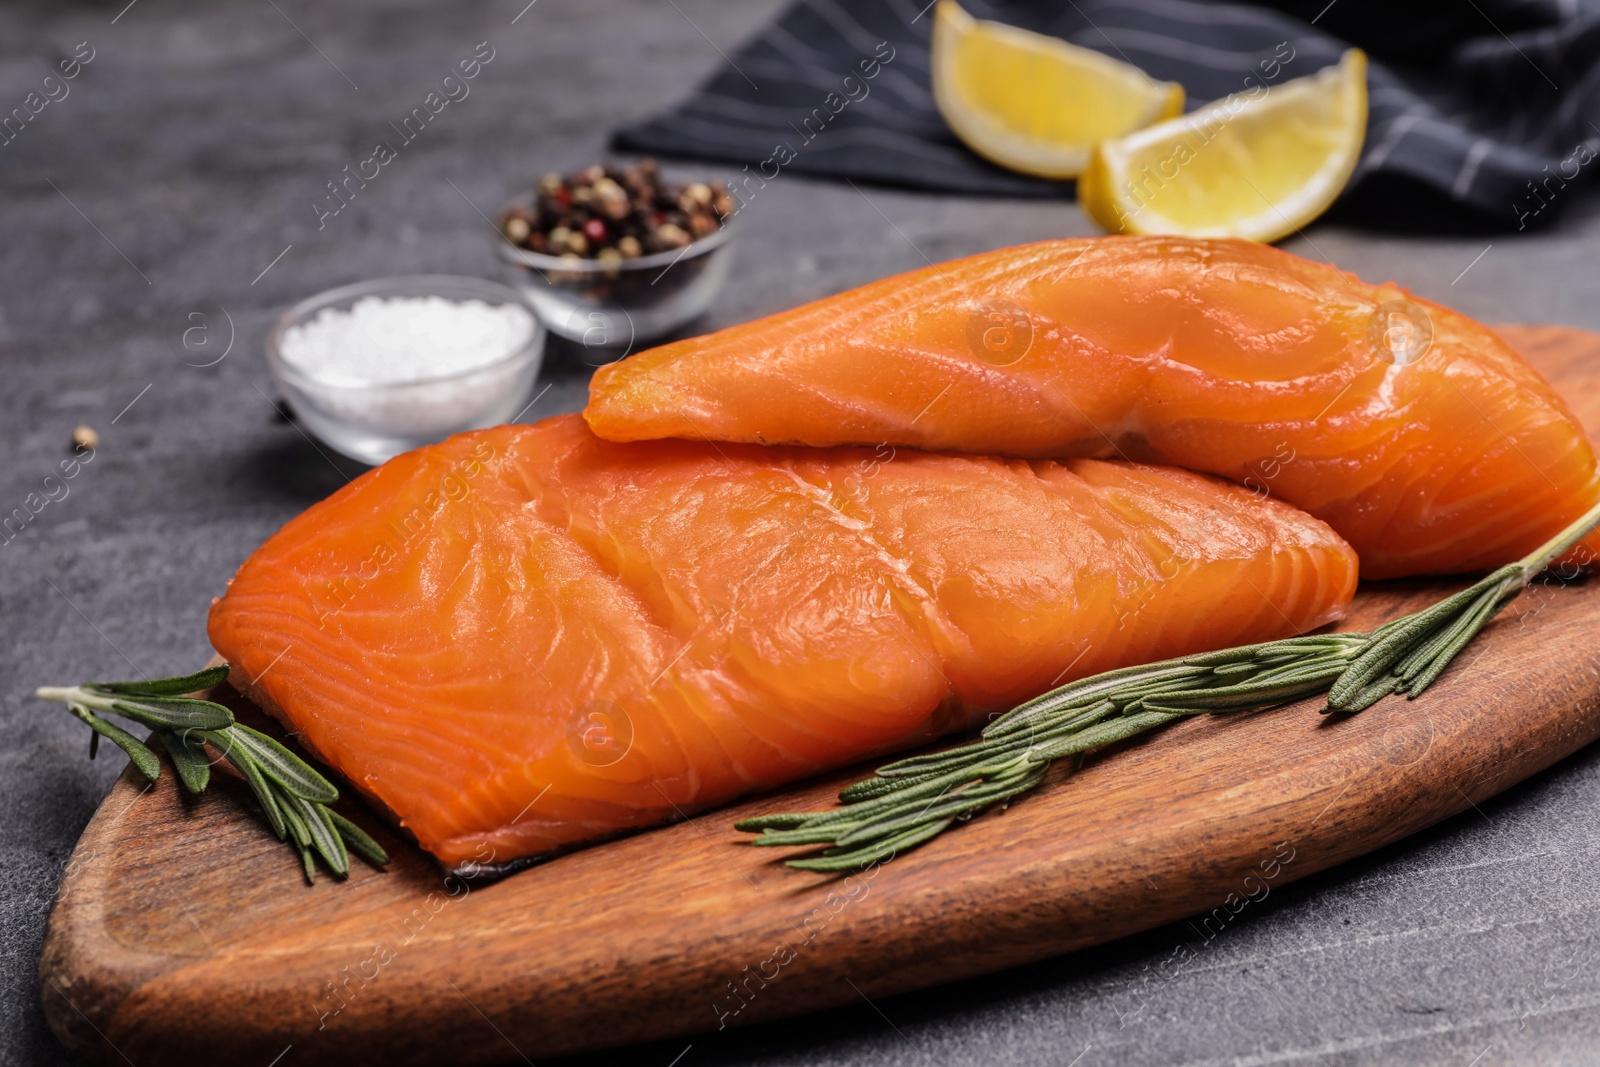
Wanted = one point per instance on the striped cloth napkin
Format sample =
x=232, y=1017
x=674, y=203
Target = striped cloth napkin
x=1483, y=112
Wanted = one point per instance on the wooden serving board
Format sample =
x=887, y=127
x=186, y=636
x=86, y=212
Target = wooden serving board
x=183, y=933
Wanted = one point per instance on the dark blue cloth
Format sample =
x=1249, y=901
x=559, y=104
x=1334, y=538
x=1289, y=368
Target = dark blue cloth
x=1482, y=111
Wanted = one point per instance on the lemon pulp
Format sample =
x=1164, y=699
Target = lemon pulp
x=1033, y=103
x=1258, y=167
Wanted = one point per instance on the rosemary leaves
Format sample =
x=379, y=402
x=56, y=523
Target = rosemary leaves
x=913, y=800
x=294, y=797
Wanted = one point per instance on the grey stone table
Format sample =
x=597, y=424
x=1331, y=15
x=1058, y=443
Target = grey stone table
x=177, y=175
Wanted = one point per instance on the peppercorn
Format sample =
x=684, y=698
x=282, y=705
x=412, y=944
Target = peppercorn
x=595, y=230
x=517, y=230
x=695, y=195
x=630, y=247
x=613, y=199
x=85, y=437
x=672, y=235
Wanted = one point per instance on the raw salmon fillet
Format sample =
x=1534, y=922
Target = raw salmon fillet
x=527, y=638
x=1409, y=428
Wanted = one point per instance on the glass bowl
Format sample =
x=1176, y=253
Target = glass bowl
x=609, y=307
x=372, y=423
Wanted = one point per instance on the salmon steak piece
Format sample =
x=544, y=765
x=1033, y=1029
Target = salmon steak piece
x=1412, y=430
x=526, y=638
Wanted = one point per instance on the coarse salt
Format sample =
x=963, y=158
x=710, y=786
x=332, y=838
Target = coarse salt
x=389, y=341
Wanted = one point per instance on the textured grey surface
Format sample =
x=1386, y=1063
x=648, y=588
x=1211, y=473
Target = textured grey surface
x=186, y=157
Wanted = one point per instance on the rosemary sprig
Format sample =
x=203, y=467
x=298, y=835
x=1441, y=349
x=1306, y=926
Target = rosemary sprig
x=914, y=800
x=292, y=794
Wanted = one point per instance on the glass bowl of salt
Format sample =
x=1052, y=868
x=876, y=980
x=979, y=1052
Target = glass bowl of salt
x=381, y=367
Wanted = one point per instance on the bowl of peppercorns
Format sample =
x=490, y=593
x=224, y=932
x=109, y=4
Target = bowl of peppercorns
x=614, y=255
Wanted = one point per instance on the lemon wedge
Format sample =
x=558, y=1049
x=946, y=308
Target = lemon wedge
x=1034, y=103
x=1256, y=168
